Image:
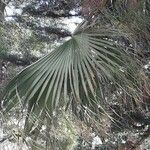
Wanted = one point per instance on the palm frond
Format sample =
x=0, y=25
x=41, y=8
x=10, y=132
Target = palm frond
x=71, y=69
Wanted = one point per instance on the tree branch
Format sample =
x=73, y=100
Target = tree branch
x=47, y=12
x=17, y=60
x=60, y=32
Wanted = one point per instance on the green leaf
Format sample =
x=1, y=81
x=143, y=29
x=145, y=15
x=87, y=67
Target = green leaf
x=71, y=69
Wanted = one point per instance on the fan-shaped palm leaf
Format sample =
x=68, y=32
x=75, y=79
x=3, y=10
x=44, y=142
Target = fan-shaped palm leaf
x=73, y=68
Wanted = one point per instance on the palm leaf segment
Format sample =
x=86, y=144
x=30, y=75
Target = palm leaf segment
x=71, y=69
